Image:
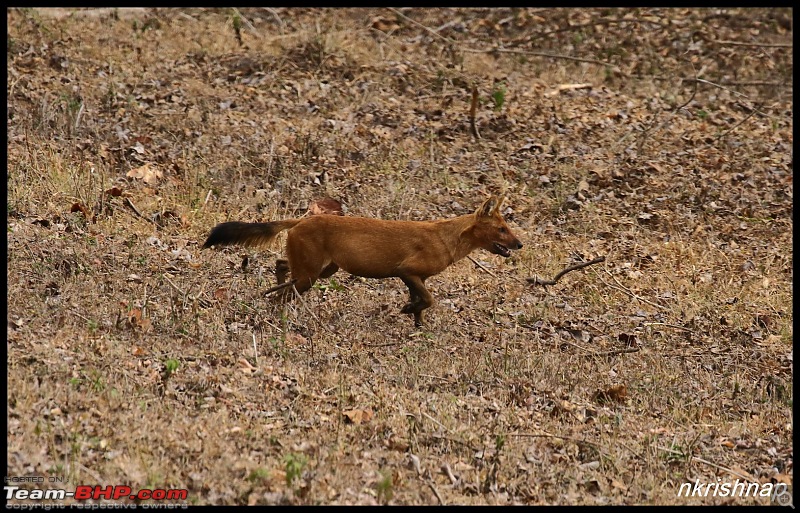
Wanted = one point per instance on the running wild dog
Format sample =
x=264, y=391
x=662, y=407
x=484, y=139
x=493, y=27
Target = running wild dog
x=319, y=245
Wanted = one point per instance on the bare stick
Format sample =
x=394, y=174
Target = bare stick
x=435, y=491
x=449, y=473
x=736, y=93
x=255, y=348
x=701, y=460
x=472, y=111
x=177, y=289
x=667, y=325
x=605, y=21
x=758, y=45
x=548, y=435
x=489, y=271
x=621, y=287
x=539, y=54
x=387, y=344
x=539, y=281
x=129, y=203
x=757, y=83
x=731, y=129
x=279, y=287
x=303, y=301
x=274, y=14
x=246, y=22
x=446, y=39
x=483, y=267
x=644, y=133
x=614, y=352
x=704, y=81
x=435, y=422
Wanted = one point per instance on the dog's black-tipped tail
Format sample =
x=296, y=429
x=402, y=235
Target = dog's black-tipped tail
x=246, y=234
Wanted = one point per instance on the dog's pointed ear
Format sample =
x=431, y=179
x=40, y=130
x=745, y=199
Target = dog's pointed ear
x=498, y=204
x=487, y=208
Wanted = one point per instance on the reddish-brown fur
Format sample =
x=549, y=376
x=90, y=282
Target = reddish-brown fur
x=318, y=246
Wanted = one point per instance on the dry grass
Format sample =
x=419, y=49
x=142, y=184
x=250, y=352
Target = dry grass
x=504, y=388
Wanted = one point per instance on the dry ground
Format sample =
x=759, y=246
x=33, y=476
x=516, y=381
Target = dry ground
x=135, y=358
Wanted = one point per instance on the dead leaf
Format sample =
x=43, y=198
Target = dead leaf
x=293, y=338
x=616, y=393
x=135, y=320
x=384, y=25
x=567, y=87
x=358, y=416
x=80, y=207
x=245, y=366
x=325, y=206
x=148, y=173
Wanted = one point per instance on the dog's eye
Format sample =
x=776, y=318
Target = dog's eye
x=503, y=229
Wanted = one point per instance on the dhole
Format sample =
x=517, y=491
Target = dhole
x=318, y=246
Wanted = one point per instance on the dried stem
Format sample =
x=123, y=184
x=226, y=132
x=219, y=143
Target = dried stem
x=472, y=111
x=539, y=281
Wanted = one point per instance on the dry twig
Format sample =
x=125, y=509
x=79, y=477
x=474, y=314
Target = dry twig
x=757, y=45
x=731, y=129
x=604, y=21
x=627, y=291
x=710, y=463
x=614, y=352
x=432, y=31
x=130, y=204
x=539, y=54
x=472, y=111
x=539, y=281
x=279, y=287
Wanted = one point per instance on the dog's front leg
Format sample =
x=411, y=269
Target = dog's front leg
x=420, y=298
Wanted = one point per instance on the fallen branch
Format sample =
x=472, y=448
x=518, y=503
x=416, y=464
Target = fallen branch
x=539, y=54
x=709, y=463
x=386, y=344
x=731, y=129
x=604, y=21
x=446, y=39
x=435, y=491
x=539, y=281
x=279, y=287
x=130, y=204
x=483, y=267
x=489, y=271
x=675, y=326
x=614, y=352
x=675, y=111
x=562, y=437
x=627, y=291
x=586, y=352
x=757, y=45
x=246, y=22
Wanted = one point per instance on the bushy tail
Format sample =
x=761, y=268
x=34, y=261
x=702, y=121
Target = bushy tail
x=247, y=234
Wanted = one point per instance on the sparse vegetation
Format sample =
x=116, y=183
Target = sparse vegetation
x=136, y=358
